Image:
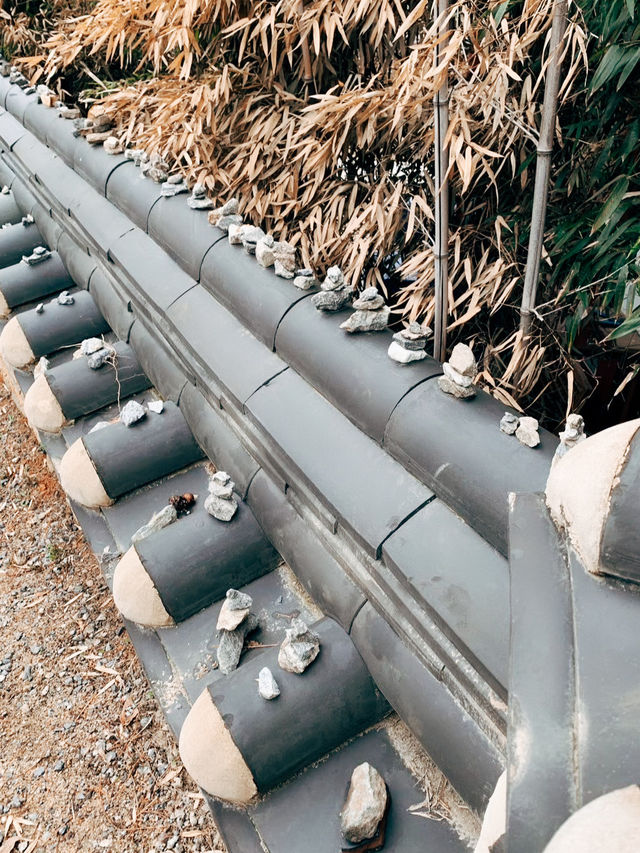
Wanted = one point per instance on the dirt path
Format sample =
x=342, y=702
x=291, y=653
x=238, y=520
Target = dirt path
x=87, y=762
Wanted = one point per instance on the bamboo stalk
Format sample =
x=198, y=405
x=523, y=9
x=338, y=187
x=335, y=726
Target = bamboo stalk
x=543, y=166
x=306, y=54
x=441, y=242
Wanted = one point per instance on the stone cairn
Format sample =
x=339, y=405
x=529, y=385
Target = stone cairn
x=335, y=293
x=409, y=344
x=524, y=428
x=277, y=254
x=220, y=502
x=304, y=279
x=370, y=315
x=572, y=434
x=225, y=216
x=459, y=373
x=235, y=622
x=174, y=185
x=198, y=200
x=156, y=168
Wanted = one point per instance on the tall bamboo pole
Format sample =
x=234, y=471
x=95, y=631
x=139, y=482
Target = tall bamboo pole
x=441, y=242
x=306, y=54
x=543, y=165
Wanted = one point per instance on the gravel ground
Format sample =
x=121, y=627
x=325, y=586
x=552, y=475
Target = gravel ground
x=86, y=759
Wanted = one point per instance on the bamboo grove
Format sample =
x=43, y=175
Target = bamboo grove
x=318, y=116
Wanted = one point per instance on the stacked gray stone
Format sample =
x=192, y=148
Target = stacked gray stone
x=220, y=502
x=225, y=216
x=304, y=279
x=370, y=315
x=409, y=344
x=174, y=185
x=572, y=434
x=335, y=292
x=459, y=373
x=198, y=200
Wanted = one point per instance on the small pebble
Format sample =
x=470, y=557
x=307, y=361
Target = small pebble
x=65, y=298
x=267, y=685
x=132, y=412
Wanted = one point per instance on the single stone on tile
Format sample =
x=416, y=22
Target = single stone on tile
x=367, y=321
x=404, y=356
x=40, y=308
x=112, y=145
x=91, y=345
x=264, y=251
x=251, y=236
x=65, y=298
x=5, y=190
x=27, y=220
x=331, y=300
x=267, y=685
x=449, y=387
x=509, y=423
x=198, y=199
x=304, y=279
x=234, y=610
x=334, y=279
x=369, y=300
x=97, y=359
x=41, y=367
x=235, y=233
x=70, y=113
x=299, y=648
x=231, y=644
x=463, y=362
x=163, y=518
x=527, y=432
x=365, y=805
x=572, y=434
x=156, y=406
x=132, y=412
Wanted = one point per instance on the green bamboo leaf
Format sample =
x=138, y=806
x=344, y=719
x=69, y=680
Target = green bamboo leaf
x=612, y=62
x=629, y=66
x=616, y=196
x=631, y=324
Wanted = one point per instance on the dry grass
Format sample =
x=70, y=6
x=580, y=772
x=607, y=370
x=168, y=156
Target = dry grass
x=318, y=115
